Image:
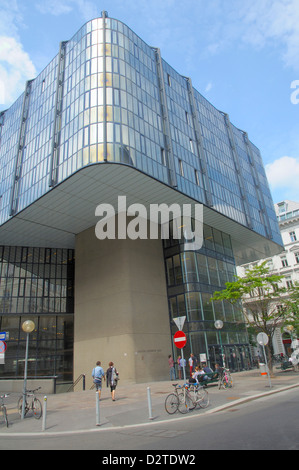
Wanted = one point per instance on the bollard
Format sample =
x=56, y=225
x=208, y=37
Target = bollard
x=44, y=414
x=149, y=400
x=97, y=409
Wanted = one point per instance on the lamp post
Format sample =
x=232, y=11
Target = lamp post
x=28, y=326
x=219, y=325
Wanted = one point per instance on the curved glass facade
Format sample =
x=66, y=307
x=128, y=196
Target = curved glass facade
x=108, y=96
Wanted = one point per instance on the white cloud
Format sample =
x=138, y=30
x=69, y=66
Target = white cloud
x=274, y=22
x=283, y=174
x=16, y=66
x=208, y=87
x=86, y=8
x=258, y=23
x=54, y=7
x=15, y=69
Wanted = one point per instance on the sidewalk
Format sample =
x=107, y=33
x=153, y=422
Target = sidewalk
x=75, y=412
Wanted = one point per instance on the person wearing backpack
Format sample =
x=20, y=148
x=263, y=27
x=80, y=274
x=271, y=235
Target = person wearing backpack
x=112, y=377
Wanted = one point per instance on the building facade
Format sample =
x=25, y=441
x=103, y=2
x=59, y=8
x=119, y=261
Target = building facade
x=284, y=264
x=109, y=117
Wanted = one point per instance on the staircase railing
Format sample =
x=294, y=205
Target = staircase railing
x=76, y=382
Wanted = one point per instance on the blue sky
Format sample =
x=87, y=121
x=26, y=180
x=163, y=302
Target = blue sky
x=242, y=55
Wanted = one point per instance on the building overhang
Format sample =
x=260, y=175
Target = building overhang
x=54, y=220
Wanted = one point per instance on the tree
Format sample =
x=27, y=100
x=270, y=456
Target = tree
x=292, y=306
x=263, y=301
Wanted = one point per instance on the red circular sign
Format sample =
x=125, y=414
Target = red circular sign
x=180, y=339
x=3, y=347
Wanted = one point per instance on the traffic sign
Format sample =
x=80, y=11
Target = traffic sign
x=262, y=339
x=180, y=339
x=3, y=336
x=3, y=347
x=179, y=321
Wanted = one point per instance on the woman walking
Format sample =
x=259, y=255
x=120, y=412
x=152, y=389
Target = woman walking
x=112, y=377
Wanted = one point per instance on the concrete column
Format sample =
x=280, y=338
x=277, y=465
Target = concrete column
x=121, y=308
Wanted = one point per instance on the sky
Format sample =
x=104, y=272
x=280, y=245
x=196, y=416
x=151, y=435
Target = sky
x=242, y=55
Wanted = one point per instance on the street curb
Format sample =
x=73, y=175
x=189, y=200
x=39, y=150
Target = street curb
x=152, y=422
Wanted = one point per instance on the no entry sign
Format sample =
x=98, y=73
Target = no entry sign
x=180, y=339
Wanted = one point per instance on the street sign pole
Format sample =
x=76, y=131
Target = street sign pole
x=184, y=367
x=180, y=341
x=263, y=339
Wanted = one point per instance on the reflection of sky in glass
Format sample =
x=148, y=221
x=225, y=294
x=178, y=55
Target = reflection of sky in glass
x=109, y=106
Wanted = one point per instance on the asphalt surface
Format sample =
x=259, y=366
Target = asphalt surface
x=70, y=413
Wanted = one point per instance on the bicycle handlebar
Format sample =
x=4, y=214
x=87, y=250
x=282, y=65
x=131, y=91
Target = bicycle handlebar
x=33, y=391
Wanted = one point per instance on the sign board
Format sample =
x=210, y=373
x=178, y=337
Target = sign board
x=180, y=339
x=3, y=336
x=203, y=357
x=179, y=321
x=3, y=347
x=262, y=339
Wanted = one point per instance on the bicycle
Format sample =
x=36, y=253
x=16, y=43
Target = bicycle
x=279, y=359
x=33, y=404
x=186, y=398
x=225, y=380
x=3, y=408
x=193, y=395
x=172, y=400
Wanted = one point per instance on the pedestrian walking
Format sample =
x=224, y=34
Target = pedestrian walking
x=179, y=367
x=97, y=375
x=171, y=367
x=112, y=377
x=183, y=365
x=191, y=364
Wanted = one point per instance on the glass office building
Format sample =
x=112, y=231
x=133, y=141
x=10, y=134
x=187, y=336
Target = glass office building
x=108, y=117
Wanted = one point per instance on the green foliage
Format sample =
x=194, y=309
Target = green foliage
x=263, y=299
x=292, y=308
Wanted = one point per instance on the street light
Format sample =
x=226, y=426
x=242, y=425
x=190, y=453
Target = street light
x=219, y=325
x=28, y=326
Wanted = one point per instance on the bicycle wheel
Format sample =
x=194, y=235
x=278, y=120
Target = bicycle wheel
x=171, y=403
x=20, y=405
x=202, y=398
x=4, y=411
x=185, y=403
x=37, y=408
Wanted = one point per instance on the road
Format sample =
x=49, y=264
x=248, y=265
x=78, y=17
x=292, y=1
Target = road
x=265, y=424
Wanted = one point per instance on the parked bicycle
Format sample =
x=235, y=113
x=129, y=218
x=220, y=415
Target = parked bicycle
x=279, y=358
x=3, y=408
x=225, y=380
x=31, y=403
x=186, y=398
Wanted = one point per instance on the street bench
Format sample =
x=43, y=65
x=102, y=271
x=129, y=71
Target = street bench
x=209, y=378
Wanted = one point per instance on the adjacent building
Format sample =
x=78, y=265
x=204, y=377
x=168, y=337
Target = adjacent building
x=285, y=263
x=108, y=117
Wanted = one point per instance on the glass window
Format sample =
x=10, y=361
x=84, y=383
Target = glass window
x=207, y=306
x=189, y=267
x=194, y=306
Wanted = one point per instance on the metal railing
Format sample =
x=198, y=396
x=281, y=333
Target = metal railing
x=76, y=382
